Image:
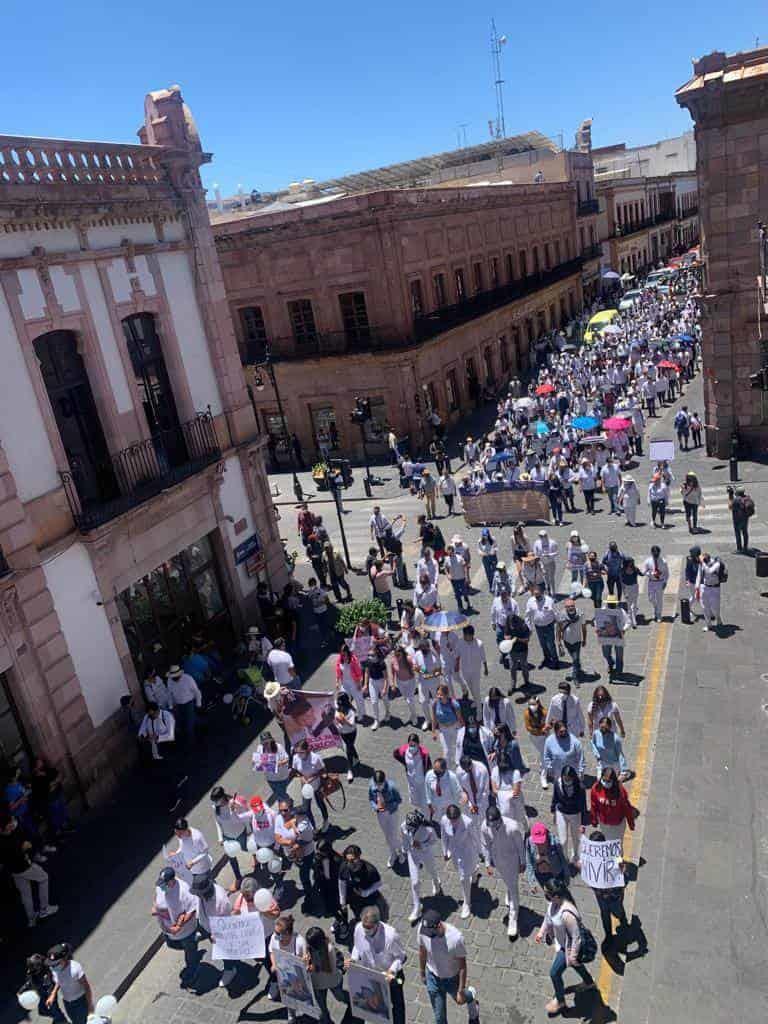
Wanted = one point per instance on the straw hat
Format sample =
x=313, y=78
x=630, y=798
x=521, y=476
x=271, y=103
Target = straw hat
x=272, y=690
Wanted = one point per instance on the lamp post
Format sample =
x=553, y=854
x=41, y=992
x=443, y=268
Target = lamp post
x=258, y=383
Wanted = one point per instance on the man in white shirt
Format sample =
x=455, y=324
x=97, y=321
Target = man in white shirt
x=546, y=550
x=156, y=727
x=456, y=569
x=175, y=908
x=425, y=595
x=427, y=566
x=448, y=490
x=566, y=708
x=503, y=606
x=708, y=583
x=505, y=851
x=656, y=572
x=540, y=613
x=443, y=967
x=156, y=691
x=185, y=697
x=611, y=477
x=379, y=525
x=281, y=663
x=378, y=946
x=588, y=482
x=470, y=659
x=611, y=623
x=442, y=788
x=475, y=780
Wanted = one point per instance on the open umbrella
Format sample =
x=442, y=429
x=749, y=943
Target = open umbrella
x=667, y=364
x=545, y=389
x=524, y=403
x=616, y=423
x=611, y=275
x=595, y=439
x=445, y=622
x=540, y=428
x=585, y=423
x=610, y=329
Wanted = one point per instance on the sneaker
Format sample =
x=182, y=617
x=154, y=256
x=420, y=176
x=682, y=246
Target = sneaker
x=49, y=911
x=414, y=915
x=465, y=912
x=425, y=727
x=554, y=1006
x=391, y=860
x=544, y=783
x=375, y=726
x=227, y=977
x=350, y=777
x=512, y=925
x=705, y=629
x=473, y=1006
x=437, y=889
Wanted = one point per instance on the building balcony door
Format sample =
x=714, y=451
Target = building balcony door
x=154, y=388
x=14, y=746
x=74, y=409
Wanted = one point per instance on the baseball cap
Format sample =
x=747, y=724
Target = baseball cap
x=166, y=876
x=430, y=922
x=539, y=833
x=542, y=533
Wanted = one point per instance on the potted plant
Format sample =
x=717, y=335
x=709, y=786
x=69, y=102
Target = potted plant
x=369, y=609
x=320, y=475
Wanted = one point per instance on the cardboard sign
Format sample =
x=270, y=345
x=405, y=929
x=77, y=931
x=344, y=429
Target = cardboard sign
x=237, y=937
x=295, y=985
x=600, y=864
x=499, y=504
x=179, y=865
x=661, y=451
x=369, y=994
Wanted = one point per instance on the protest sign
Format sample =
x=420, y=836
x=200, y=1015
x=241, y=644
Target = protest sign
x=600, y=864
x=510, y=503
x=238, y=937
x=265, y=763
x=608, y=626
x=311, y=717
x=179, y=865
x=295, y=985
x=661, y=451
x=369, y=994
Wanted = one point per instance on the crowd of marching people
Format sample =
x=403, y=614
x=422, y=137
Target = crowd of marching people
x=460, y=808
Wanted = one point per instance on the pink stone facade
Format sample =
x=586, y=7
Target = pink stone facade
x=727, y=98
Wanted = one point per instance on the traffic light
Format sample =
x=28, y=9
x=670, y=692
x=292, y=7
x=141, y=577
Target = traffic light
x=759, y=381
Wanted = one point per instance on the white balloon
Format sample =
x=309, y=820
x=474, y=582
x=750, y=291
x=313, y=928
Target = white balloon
x=275, y=866
x=586, y=592
x=29, y=1000
x=264, y=855
x=231, y=847
x=106, y=1006
x=262, y=899
x=227, y=698
x=307, y=791
x=252, y=845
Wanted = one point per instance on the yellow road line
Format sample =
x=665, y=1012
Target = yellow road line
x=643, y=758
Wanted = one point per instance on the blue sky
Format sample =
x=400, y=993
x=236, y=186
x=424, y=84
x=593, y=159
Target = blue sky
x=312, y=91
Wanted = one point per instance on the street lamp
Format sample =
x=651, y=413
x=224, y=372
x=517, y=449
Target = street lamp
x=258, y=383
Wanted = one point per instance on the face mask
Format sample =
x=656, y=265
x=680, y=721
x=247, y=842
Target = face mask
x=413, y=748
x=571, y=613
x=533, y=708
x=607, y=783
x=369, y=929
x=439, y=775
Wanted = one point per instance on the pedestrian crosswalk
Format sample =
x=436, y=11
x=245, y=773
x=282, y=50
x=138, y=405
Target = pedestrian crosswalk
x=715, y=525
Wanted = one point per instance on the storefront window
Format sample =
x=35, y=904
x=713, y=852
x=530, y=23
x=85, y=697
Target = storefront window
x=376, y=426
x=324, y=426
x=13, y=745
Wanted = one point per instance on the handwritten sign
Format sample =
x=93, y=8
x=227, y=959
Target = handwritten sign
x=179, y=865
x=238, y=937
x=661, y=451
x=506, y=505
x=369, y=994
x=600, y=864
x=295, y=985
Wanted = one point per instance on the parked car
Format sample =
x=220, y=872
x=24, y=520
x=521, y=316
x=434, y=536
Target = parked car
x=629, y=299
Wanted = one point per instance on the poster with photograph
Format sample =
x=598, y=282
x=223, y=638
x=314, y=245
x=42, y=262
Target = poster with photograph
x=601, y=864
x=310, y=716
x=265, y=763
x=608, y=627
x=369, y=994
x=295, y=985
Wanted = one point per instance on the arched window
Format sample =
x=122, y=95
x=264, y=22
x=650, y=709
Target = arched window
x=154, y=387
x=74, y=409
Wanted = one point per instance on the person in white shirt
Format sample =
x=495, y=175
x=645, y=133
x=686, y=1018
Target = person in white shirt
x=71, y=983
x=379, y=524
x=629, y=499
x=157, y=727
x=656, y=572
x=658, y=496
x=588, y=482
x=457, y=571
x=213, y=902
x=426, y=661
x=546, y=550
x=175, y=908
x=427, y=566
x=419, y=842
x=309, y=766
x=475, y=780
x=461, y=846
x=504, y=845
x=448, y=489
x=232, y=819
x=442, y=788
x=287, y=940
x=262, y=822
x=193, y=847
x=425, y=595
x=503, y=606
x=470, y=660
x=613, y=623
x=378, y=946
x=498, y=710
x=540, y=613
x=565, y=707
x=610, y=474
x=281, y=663
x=707, y=589
x=443, y=967
x=185, y=697
x=155, y=690
x=270, y=753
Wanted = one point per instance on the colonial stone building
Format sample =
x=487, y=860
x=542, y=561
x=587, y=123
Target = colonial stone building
x=727, y=98
x=134, y=508
x=416, y=298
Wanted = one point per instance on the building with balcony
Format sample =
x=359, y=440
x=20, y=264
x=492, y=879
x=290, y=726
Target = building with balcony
x=414, y=298
x=727, y=98
x=134, y=509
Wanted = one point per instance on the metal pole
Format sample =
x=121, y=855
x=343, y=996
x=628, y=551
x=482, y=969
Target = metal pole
x=367, y=481
x=297, y=490
x=336, y=484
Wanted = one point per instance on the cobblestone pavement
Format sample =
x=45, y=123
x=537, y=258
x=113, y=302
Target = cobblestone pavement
x=692, y=704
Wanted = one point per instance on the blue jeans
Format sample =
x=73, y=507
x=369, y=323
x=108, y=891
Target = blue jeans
x=612, y=492
x=575, y=652
x=557, y=970
x=608, y=650
x=596, y=586
x=279, y=788
x=438, y=989
x=489, y=564
x=185, y=722
x=546, y=635
x=460, y=590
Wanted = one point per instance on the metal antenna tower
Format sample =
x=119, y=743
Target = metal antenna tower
x=497, y=42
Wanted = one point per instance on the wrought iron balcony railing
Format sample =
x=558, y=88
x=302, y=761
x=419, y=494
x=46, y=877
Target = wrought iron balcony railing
x=587, y=206
x=99, y=492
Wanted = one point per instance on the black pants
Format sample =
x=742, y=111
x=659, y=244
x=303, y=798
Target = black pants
x=658, y=508
x=741, y=530
x=610, y=908
x=589, y=497
x=448, y=499
x=353, y=757
x=696, y=437
x=691, y=514
x=319, y=567
x=337, y=582
x=557, y=508
x=614, y=583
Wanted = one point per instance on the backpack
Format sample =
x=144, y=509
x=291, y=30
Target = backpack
x=681, y=420
x=749, y=505
x=722, y=572
x=587, y=942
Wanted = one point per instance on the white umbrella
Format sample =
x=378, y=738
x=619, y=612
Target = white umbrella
x=611, y=275
x=611, y=329
x=524, y=403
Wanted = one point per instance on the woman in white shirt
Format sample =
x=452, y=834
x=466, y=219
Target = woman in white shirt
x=155, y=690
x=309, y=766
x=488, y=551
x=507, y=787
x=576, y=557
x=232, y=819
x=287, y=940
x=561, y=923
x=272, y=758
x=193, y=846
x=346, y=723
x=498, y=710
x=602, y=705
x=71, y=983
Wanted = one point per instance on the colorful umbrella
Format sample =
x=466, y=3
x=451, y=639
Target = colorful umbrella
x=445, y=622
x=667, y=364
x=616, y=423
x=545, y=389
x=499, y=457
x=585, y=423
x=540, y=428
